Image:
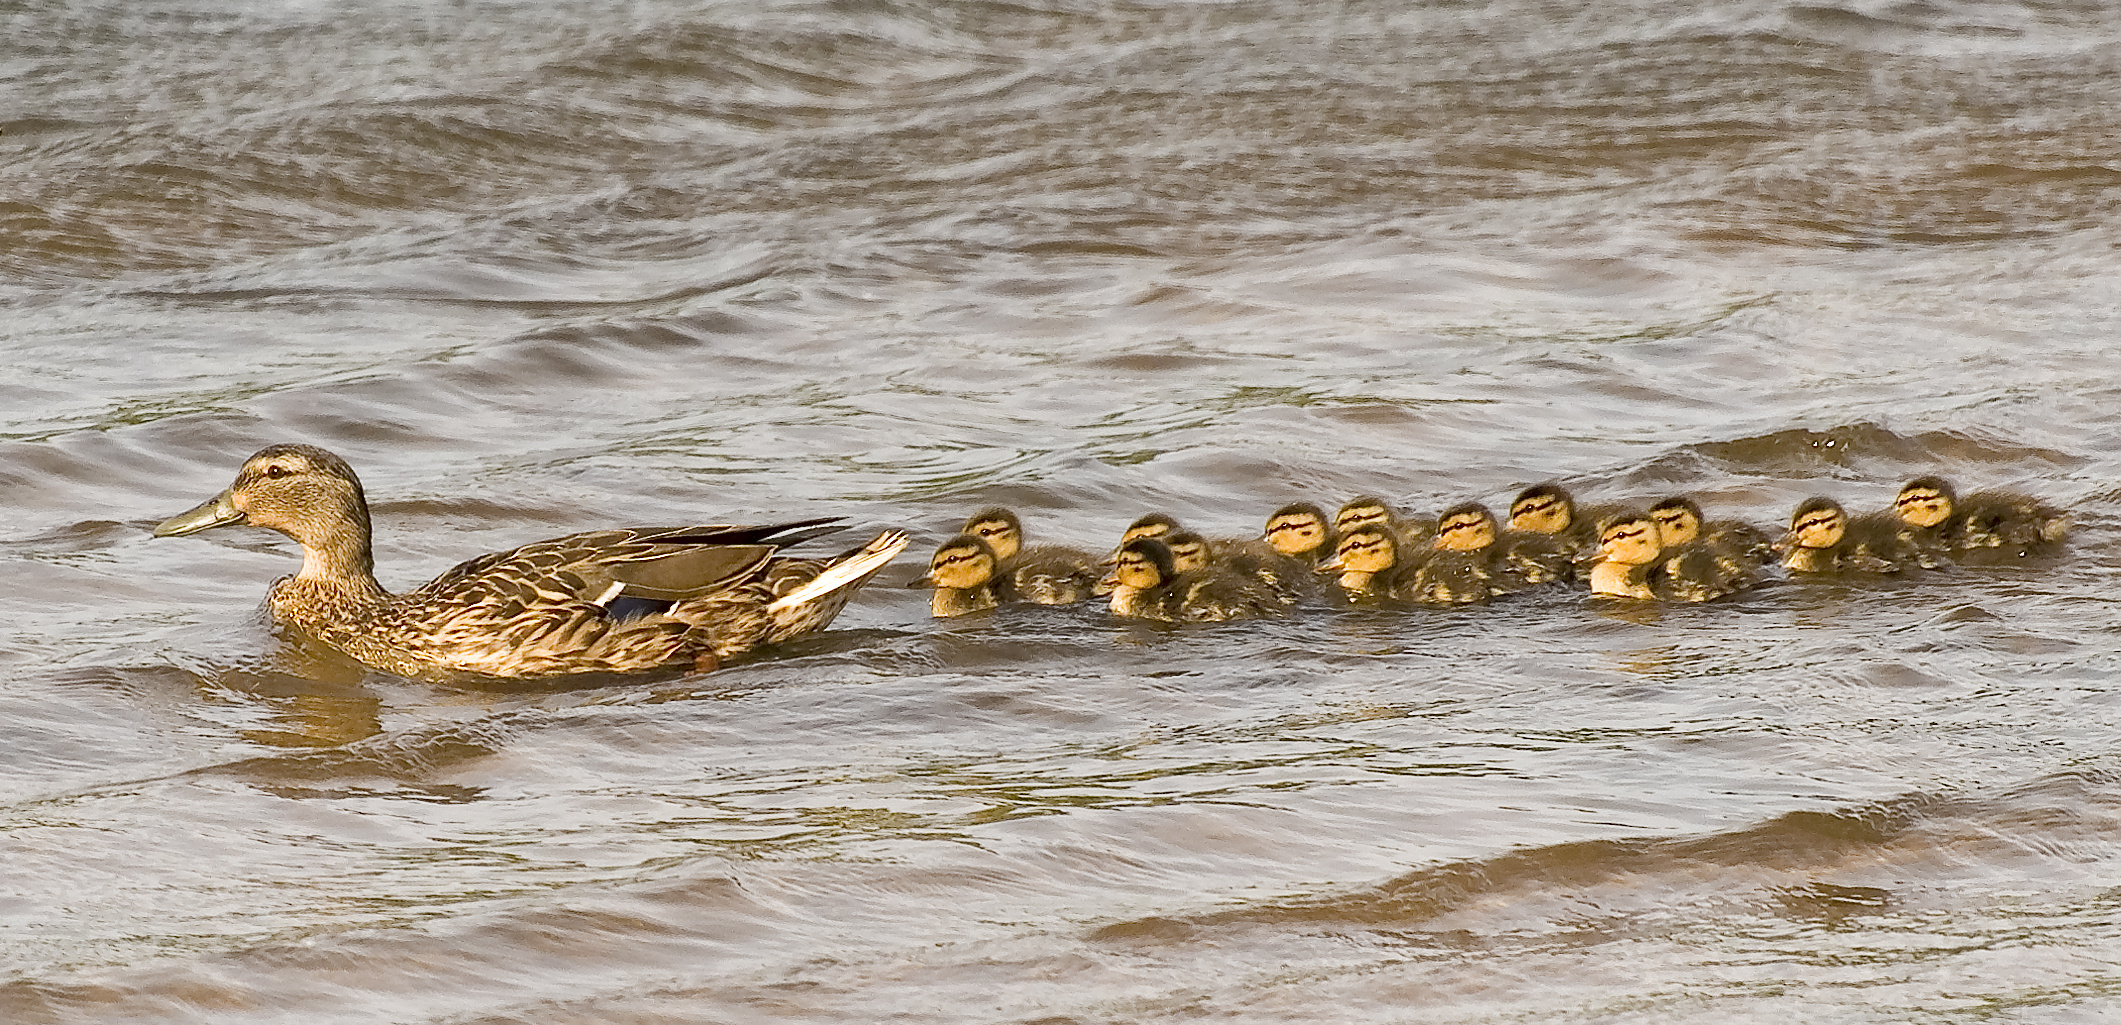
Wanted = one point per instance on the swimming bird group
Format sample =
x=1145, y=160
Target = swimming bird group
x=692, y=597
x=1371, y=552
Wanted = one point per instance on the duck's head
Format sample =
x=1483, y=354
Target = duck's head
x=1364, y=511
x=1818, y=523
x=962, y=563
x=1189, y=551
x=301, y=491
x=1543, y=509
x=1369, y=550
x=1000, y=528
x=1465, y=528
x=1678, y=521
x=1299, y=530
x=1142, y=564
x=1630, y=539
x=1925, y=502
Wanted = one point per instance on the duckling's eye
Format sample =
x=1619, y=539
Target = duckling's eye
x=276, y=470
x=1817, y=521
x=1535, y=506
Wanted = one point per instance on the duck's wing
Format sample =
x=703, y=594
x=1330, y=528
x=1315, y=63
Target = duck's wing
x=630, y=566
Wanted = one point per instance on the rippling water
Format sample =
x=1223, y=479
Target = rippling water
x=536, y=268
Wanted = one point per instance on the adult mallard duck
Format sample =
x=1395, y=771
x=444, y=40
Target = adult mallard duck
x=965, y=575
x=1634, y=562
x=601, y=602
x=1040, y=574
x=1823, y=538
x=1938, y=525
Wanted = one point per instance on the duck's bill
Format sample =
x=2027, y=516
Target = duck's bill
x=218, y=511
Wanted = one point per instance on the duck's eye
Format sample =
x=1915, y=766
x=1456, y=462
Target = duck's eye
x=276, y=470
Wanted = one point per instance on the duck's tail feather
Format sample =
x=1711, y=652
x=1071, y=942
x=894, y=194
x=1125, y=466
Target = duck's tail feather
x=856, y=567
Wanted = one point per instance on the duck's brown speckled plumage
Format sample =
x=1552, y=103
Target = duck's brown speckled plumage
x=599, y=602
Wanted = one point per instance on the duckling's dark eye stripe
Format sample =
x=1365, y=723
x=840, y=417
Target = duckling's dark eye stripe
x=1536, y=506
x=1817, y=521
x=1458, y=525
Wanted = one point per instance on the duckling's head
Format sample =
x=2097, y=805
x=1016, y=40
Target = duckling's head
x=1465, y=528
x=1142, y=564
x=1152, y=525
x=1000, y=528
x=1543, y=509
x=1818, y=523
x=1189, y=551
x=1630, y=539
x=962, y=563
x=1925, y=502
x=301, y=491
x=1678, y=521
x=1364, y=511
x=1369, y=550
x=1299, y=530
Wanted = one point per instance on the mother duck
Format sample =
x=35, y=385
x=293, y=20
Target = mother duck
x=602, y=602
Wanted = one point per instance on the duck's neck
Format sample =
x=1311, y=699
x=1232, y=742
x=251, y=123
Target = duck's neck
x=1355, y=581
x=336, y=554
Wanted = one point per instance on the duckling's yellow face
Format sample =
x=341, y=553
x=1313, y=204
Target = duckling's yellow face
x=1631, y=542
x=1676, y=525
x=1296, y=533
x=1922, y=506
x=1188, y=555
x=1466, y=531
x=1000, y=535
x=1360, y=515
x=1820, y=528
x=960, y=567
x=1541, y=514
x=1135, y=570
x=1365, y=551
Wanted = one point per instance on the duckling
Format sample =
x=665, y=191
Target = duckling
x=1040, y=574
x=1517, y=559
x=1251, y=558
x=1459, y=568
x=1370, y=567
x=1145, y=585
x=1549, y=509
x=1372, y=511
x=1679, y=522
x=965, y=575
x=1938, y=525
x=1300, y=531
x=1149, y=525
x=1634, y=562
x=1823, y=539
x=606, y=601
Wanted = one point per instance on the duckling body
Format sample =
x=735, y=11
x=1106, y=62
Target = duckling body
x=1939, y=526
x=965, y=575
x=1040, y=574
x=1246, y=558
x=598, y=602
x=1823, y=539
x=1145, y=585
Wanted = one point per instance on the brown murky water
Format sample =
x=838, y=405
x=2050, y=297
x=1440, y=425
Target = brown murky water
x=535, y=268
